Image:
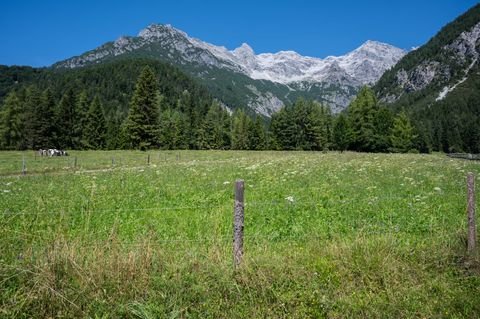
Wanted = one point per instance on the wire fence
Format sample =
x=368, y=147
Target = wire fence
x=367, y=226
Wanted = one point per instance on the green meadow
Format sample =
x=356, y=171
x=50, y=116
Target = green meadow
x=125, y=234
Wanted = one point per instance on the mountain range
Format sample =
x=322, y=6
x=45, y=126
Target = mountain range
x=240, y=78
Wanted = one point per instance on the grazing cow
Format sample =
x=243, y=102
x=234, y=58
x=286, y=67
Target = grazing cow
x=54, y=152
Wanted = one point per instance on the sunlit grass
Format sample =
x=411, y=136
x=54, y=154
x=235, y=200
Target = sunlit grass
x=326, y=235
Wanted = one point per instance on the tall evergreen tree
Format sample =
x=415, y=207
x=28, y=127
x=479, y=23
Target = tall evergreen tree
x=66, y=119
x=362, y=114
x=82, y=109
x=240, y=131
x=95, y=126
x=141, y=125
x=383, y=126
x=402, y=135
x=257, y=138
x=283, y=130
x=11, y=125
x=31, y=118
x=215, y=131
x=173, y=129
x=341, y=133
x=46, y=128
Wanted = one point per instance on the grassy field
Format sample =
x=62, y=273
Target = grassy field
x=326, y=236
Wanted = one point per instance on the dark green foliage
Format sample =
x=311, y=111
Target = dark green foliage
x=362, y=114
x=65, y=120
x=341, y=133
x=141, y=125
x=402, y=134
x=12, y=77
x=11, y=125
x=32, y=119
x=215, y=130
x=95, y=130
x=241, y=131
x=306, y=125
x=450, y=124
x=79, y=128
x=173, y=130
x=257, y=138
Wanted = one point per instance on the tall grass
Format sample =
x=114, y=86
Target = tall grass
x=326, y=236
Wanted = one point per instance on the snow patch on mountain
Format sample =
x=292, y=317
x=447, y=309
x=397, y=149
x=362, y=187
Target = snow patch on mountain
x=363, y=65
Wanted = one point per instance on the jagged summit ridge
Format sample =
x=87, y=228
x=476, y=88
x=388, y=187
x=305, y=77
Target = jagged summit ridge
x=363, y=65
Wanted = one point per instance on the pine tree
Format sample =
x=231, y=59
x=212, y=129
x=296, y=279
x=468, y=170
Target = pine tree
x=31, y=118
x=215, y=132
x=341, y=133
x=46, y=129
x=240, y=131
x=402, y=136
x=95, y=126
x=11, y=125
x=173, y=130
x=141, y=125
x=257, y=138
x=79, y=128
x=66, y=118
x=383, y=126
x=362, y=114
x=283, y=130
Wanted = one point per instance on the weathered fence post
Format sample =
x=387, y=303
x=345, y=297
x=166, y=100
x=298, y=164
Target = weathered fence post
x=113, y=161
x=238, y=218
x=148, y=159
x=24, y=166
x=472, y=235
x=75, y=162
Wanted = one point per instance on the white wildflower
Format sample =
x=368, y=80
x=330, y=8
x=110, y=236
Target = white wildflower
x=226, y=183
x=290, y=199
x=6, y=191
x=437, y=189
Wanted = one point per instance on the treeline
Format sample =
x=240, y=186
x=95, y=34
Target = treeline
x=157, y=118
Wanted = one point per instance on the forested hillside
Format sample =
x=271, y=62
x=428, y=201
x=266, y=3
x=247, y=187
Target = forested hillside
x=438, y=85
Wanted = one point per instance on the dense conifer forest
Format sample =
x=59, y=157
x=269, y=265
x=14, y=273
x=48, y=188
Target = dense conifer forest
x=143, y=104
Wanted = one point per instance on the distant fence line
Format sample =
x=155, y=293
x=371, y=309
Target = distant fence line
x=468, y=156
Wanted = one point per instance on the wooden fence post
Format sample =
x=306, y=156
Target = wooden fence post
x=113, y=161
x=148, y=159
x=238, y=218
x=75, y=162
x=24, y=166
x=472, y=235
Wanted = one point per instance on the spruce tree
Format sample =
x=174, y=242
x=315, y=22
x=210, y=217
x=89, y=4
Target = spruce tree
x=66, y=118
x=240, y=131
x=31, y=118
x=95, y=126
x=79, y=128
x=11, y=125
x=362, y=114
x=283, y=129
x=215, y=132
x=257, y=138
x=402, y=136
x=173, y=126
x=141, y=125
x=341, y=133
x=46, y=129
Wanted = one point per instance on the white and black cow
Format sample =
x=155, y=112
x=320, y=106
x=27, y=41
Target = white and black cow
x=52, y=152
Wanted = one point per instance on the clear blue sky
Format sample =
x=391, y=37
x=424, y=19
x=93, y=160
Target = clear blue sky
x=39, y=33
